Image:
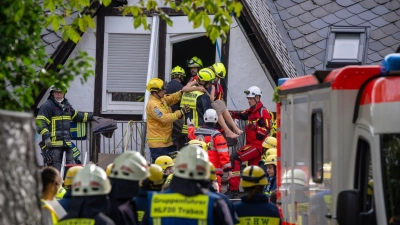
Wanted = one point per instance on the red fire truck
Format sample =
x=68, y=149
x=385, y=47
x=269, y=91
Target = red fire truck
x=339, y=146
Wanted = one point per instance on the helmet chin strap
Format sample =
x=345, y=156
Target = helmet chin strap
x=158, y=95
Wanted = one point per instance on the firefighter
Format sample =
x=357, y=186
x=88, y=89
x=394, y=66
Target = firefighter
x=270, y=163
x=195, y=64
x=66, y=200
x=160, y=116
x=197, y=101
x=129, y=168
x=89, y=199
x=52, y=210
x=199, y=143
x=254, y=207
x=53, y=124
x=218, y=152
x=269, y=148
x=187, y=202
x=153, y=183
x=257, y=130
x=166, y=163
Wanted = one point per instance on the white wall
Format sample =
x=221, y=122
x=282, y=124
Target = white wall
x=245, y=71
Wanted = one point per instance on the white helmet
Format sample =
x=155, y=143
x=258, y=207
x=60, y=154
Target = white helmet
x=89, y=181
x=130, y=166
x=252, y=92
x=298, y=176
x=210, y=116
x=192, y=163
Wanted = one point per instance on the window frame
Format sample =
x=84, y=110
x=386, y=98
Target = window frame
x=315, y=151
x=330, y=62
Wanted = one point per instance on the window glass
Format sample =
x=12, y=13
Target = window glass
x=390, y=144
x=127, y=97
x=317, y=146
x=346, y=46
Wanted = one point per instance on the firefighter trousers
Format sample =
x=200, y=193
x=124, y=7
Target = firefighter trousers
x=58, y=155
x=249, y=153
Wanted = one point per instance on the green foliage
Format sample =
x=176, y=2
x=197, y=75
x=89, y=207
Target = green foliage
x=197, y=12
x=275, y=97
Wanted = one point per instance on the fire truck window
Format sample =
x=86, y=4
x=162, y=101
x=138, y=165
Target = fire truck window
x=390, y=145
x=317, y=146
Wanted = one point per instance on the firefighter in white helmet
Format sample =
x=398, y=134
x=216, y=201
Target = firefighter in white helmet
x=129, y=168
x=187, y=202
x=89, y=199
x=254, y=207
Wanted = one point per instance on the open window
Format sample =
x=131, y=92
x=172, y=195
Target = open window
x=317, y=146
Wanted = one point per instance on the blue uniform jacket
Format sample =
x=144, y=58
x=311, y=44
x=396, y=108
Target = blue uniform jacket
x=66, y=200
x=141, y=203
x=271, y=186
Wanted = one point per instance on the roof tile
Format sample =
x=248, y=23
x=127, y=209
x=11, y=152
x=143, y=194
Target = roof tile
x=379, y=22
x=368, y=24
x=308, y=5
x=319, y=12
x=390, y=29
x=377, y=34
x=319, y=66
x=355, y=20
x=357, y=8
x=313, y=49
x=367, y=15
x=295, y=10
x=389, y=41
x=320, y=56
x=285, y=3
x=393, y=5
x=331, y=19
x=345, y=3
x=343, y=13
x=306, y=29
x=342, y=23
x=397, y=23
x=303, y=54
x=312, y=61
x=278, y=7
x=391, y=17
x=382, y=1
x=332, y=7
x=301, y=42
x=294, y=34
x=374, y=57
x=376, y=46
x=307, y=17
x=397, y=35
x=284, y=14
x=286, y=25
x=298, y=1
x=318, y=24
x=294, y=22
x=368, y=4
x=310, y=71
x=385, y=52
x=357, y=0
x=321, y=44
x=370, y=62
x=398, y=12
x=380, y=10
x=321, y=2
x=313, y=37
x=323, y=32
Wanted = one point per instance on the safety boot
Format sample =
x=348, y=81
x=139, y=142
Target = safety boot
x=232, y=194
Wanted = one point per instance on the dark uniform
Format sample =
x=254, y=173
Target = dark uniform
x=141, y=203
x=54, y=120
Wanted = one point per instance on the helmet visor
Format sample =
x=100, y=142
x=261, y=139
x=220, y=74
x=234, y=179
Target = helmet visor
x=192, y=63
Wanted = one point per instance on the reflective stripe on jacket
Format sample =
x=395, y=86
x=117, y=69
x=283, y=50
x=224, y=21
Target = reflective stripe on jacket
x=190, y=99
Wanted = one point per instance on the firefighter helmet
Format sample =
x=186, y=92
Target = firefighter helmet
x=194, y=62
x=219, y=70
x=178, y=72
x=164, y=161
x=156, y=84
x=271, y=160
x=156, y=178
x=298, y=176
x=252, y=92
x=271, y=151
x=89, y=181
x=71, y=174
x=210, y=116
x=206, y=75
x=253, y=176
x=130, y=165
x=213, y=173
x=199, y=143
x=192, y=163
x=269, y=142
x=109, y=168
x=54, y=88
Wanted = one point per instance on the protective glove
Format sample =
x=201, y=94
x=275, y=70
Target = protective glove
x=47, y=142
x=185, y=109
x=229, y=175
x=189, y=122
x=96, y=118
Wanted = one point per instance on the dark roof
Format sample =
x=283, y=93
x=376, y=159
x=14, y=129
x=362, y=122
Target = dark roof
x=304, y=26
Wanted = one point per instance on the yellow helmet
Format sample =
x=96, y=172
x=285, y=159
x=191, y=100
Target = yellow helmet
x=155, y=84
x=156, y=178
x=199, y=143
x=219, y=70
x=71, y=174
x=109, y=168
x=370, y=188
x=213, y=174
x=206, y=75
x=271, y=151
x=271, y=160
x=178, y=71
x=269, y=142
x=195, y=62
x=60, y=193
x=164, y=161
x=168, y=180
x=253, y=176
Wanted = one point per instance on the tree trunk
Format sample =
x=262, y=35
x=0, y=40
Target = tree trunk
x=19, y=172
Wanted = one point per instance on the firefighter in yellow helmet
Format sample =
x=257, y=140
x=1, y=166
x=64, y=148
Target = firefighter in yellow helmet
x=188, y=202
x=160, y=116
x=89, y=201
x=166, y=163
x=269, y=148
x=195, y=64
x=52, y=211
x=66, y=200
x=255, y=207
x=270, y=163
x=153, y=183
x=202, y=144
x=109, y=168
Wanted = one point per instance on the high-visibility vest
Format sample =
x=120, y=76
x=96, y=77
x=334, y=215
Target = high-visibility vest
x=47, y=206
x=190, y=99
